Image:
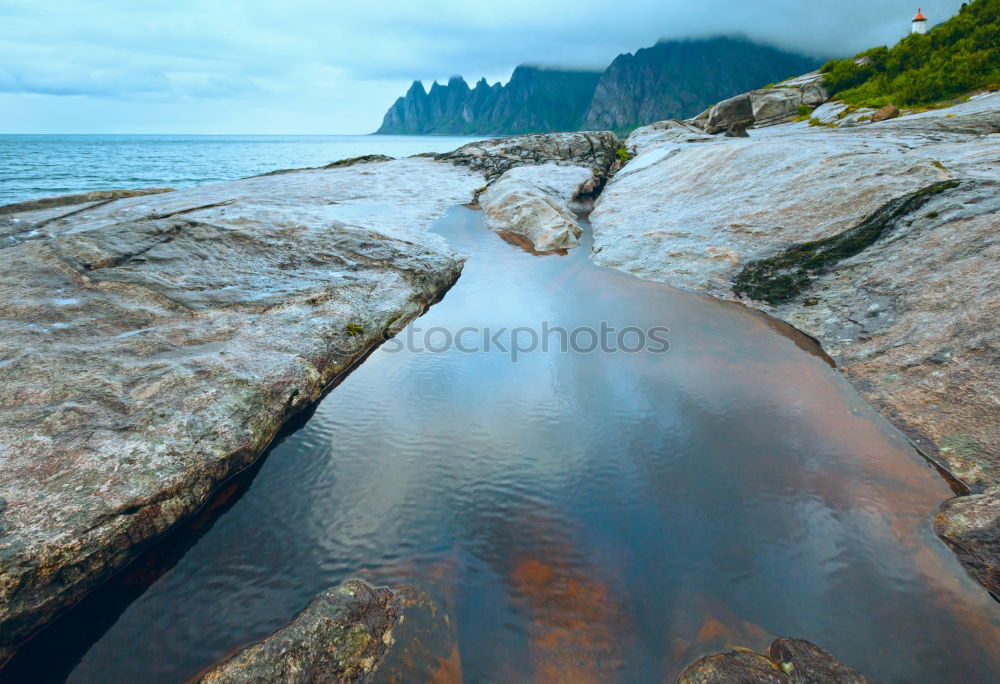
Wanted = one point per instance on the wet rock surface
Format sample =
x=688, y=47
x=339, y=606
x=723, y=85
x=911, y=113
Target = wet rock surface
x=880, y=241
x=537, y=203
x=152, y=347
x=351, y=633
x=88, y=198
x=788, y=660
x=592, y=150
x=970, y=525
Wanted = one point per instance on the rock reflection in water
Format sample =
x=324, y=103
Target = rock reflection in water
x=586, y=517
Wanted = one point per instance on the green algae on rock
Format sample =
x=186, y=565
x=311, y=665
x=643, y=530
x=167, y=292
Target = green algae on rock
x=788, y=661
x=351, y=633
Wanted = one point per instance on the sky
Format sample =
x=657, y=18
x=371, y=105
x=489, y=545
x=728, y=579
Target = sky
x=308, y=66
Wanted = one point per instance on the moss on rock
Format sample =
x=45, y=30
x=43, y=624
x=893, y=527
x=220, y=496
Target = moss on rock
x=786, y=275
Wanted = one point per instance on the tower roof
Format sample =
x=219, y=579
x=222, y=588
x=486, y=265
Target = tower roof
x=920, y=16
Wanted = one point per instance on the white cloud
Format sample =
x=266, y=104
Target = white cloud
x=335, y=66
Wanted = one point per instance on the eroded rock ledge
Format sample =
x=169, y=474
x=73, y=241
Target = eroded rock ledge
x=152, y=346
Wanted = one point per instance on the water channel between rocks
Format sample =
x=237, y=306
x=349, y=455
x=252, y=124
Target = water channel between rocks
x=583, y=516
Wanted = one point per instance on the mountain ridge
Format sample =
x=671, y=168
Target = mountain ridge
x=671, y=79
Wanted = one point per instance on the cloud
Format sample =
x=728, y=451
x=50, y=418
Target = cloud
x=348, y=60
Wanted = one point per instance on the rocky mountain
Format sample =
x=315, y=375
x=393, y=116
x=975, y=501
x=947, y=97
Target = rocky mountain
x=672, y=79
x=677, y=79
x=534, y=100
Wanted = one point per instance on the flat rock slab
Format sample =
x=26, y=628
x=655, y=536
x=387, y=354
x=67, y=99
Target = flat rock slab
x=537, y=203
x=788, y=661
x=153, y=346
x=351, y=633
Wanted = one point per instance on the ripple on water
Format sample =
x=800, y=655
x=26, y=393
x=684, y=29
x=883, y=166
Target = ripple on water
x=585, y=516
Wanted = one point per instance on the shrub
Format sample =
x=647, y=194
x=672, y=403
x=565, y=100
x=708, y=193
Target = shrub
x=960, y=55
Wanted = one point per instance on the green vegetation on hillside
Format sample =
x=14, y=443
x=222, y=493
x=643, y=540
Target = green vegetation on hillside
x=962, y=54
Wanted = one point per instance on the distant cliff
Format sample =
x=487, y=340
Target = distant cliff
x=672, y=79
x=533, y=101
x=680, y=79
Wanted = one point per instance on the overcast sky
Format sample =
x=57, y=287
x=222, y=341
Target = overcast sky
x=329, y=66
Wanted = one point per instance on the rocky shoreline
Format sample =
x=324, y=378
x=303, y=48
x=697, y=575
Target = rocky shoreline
x=154, y=343
x=878, y=240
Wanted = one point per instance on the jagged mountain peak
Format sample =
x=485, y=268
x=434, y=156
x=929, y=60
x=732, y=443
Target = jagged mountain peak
x=671, y=79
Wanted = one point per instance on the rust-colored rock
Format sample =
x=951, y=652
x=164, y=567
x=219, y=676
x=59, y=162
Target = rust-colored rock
x=887, y=112
x=735, y=667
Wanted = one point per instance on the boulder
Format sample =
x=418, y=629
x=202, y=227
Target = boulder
x=788, y=661
x=153, y=346
x=775, y=105
x=537, y=204
x=737, y=131
x=764, y=107
x=351, y=633
x=887, y=112
x=970, y=525
x=596, y=151
x=810, y=86
x=735, y=110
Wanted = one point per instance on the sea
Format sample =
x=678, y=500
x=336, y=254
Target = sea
x=33, y=166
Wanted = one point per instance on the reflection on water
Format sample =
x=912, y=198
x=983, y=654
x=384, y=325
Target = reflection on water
x=586, y=517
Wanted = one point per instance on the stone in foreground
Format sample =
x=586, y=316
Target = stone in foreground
x=352, y=633
x=537, y=202
x=970, y=525
x=788, y=661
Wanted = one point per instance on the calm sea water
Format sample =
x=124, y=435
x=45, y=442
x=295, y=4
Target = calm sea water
x=33, y=166
x=585, y=517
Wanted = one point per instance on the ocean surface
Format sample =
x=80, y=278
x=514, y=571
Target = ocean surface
x=33, y=166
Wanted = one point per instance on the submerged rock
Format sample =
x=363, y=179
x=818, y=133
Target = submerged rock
x=352, y=633
x=537, y=202
x=596, y=151
x=788, y=661
x=153, y=346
